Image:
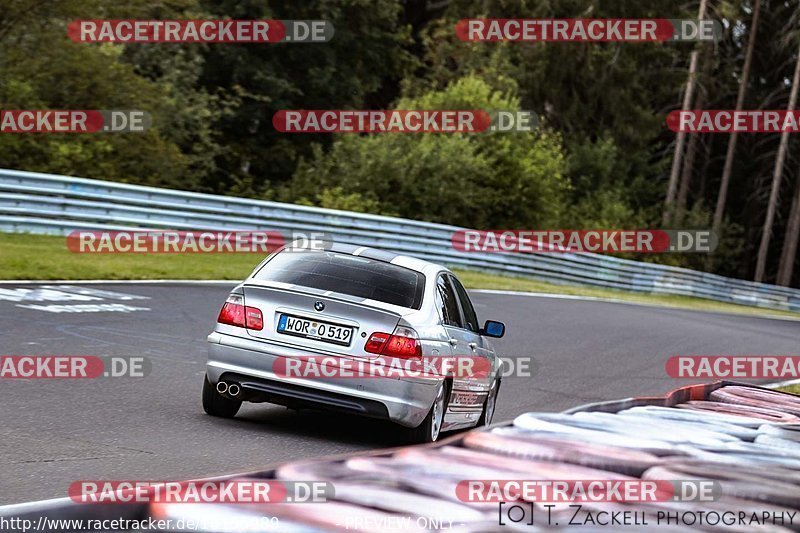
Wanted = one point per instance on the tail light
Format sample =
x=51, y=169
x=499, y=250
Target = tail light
x=403, y=343
x=253, y=318
x=234, y=313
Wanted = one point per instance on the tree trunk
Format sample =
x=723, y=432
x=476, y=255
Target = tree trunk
x=777, y=174
x=681, y=138
x=722, y=196
x=694, y=139
x=688, y=168
x=789, y=252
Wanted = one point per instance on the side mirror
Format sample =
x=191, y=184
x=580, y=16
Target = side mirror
x=493, y=328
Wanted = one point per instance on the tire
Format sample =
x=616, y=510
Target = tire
x=784, y=431
x=757, y=398
x=216, y=404
x=489, y=404
x=430, y=428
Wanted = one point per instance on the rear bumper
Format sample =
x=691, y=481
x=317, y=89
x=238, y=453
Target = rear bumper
x=252, y=364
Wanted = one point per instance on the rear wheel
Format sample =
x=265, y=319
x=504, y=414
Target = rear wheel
x=489, y=404
x=431, y=427
x=216, y=404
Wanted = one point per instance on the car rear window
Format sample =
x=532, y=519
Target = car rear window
x=347, y=274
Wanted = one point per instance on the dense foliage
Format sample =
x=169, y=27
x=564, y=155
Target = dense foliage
x=601, y=157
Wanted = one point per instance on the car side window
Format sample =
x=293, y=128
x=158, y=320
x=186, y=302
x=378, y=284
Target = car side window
x=470, y=317
x=446, y=298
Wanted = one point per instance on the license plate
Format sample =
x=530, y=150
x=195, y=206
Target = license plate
x=315, y=329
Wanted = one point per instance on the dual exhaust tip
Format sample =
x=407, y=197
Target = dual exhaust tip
x=232, y=389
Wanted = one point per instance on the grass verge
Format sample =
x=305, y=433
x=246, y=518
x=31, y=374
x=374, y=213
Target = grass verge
x=794, y=389
x=43, y=257
x=46, y=257
x=478, y=280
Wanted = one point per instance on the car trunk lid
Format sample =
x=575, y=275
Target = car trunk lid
x=322, y=322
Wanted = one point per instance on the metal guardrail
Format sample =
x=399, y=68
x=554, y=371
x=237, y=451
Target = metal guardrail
x=32, y=202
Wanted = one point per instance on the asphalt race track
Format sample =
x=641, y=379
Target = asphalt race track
x=56, y=432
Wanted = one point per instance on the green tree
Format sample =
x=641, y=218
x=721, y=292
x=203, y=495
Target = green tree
x=479, y=180
x=356, y=69
x=40, y=68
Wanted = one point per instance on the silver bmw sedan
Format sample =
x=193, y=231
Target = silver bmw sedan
x=356, y=330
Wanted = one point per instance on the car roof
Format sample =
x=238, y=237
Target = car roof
x=377, y=254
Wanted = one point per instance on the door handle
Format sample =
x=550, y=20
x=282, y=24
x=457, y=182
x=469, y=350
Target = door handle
x=453, y=342
x=473, y=345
